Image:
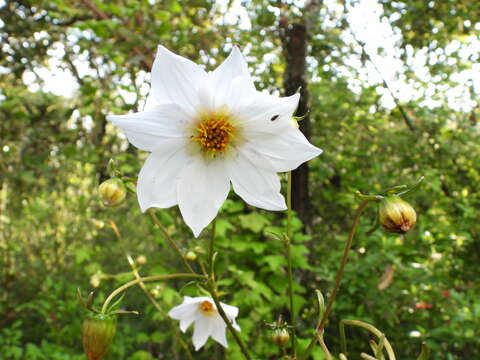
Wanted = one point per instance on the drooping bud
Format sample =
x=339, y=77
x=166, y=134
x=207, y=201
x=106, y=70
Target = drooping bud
x=97, y=333
x=112, y=192
x=396, y=215
x=280, y=337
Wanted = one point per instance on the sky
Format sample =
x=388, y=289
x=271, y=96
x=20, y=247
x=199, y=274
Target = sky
x=375, y=33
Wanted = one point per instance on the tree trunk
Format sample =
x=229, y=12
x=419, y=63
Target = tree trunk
x=295, y=49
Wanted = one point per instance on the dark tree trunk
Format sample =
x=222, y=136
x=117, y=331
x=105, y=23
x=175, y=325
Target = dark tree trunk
x=295, y=39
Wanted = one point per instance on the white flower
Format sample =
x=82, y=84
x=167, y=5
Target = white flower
x=207, y=129
x=207, y=321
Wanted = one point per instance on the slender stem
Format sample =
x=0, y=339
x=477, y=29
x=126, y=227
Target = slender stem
x=137, y=275
x=288, y=247
x=211, y=248
x=289, y=205
x=324, y=347
x=146, y=279
x=373, y=330
x=338, y=279
x=225, y=318
x=172, y=243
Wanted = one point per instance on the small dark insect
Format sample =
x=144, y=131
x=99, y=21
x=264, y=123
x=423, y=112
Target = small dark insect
x=275, y=117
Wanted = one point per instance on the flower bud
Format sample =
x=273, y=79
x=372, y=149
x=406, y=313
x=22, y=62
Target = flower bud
x=190, y=256
x=95, y=280
x=98, y=332
x=141, y=260
x=280, y=337
x=396, y=215
x=112, y=192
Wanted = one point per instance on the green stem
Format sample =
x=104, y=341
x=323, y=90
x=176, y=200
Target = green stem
x=143, y=280
x=137, y=275
x=289, y=205
x=324, y=347
x=211, y=248
x=225, y=318
x=172, y=243
x=288, y=246
x=338, y=279
x=373, y=330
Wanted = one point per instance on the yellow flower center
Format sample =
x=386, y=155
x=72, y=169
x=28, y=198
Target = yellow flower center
x=206, y=307
x=214, y=132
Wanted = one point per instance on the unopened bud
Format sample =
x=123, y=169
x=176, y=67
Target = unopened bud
x=280, y=337
x=141, y=260
x=112, y=192
x=98, y=332
x=396, y=215
x=95, y=280
x=190, y=256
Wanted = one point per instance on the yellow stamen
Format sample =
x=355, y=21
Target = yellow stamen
x=206, y=307
x=214, y=132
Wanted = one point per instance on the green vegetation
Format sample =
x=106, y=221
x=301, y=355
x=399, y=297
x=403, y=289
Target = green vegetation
x=56, y=236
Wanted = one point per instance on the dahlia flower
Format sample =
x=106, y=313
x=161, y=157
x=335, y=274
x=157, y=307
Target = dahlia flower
x=202, y=312
x=206, y=130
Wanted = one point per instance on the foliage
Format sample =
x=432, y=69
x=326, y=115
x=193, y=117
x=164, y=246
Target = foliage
x=55, y=234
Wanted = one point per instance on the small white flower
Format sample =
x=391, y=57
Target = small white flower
x=206, y=130
x=202, y=312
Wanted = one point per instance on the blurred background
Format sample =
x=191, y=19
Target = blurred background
x=391, y=89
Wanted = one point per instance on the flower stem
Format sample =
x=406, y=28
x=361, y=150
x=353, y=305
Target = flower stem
x=243, y=348
x=338, y=279
x=211, y=248
x=143, y=280
x=171, y=242
x=137, y=275
x=288, y=246
x=372, y=329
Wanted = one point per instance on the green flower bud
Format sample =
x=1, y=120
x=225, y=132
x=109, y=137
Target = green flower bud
x=280, y=337
x=112, y=192
x=190, y=256
x=396, y=215
x=98, y=332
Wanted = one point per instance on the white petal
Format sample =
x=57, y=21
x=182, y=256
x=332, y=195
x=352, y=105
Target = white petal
x=268, y=114
x=241, y=94
x=179, y=311
x=219, y=331
x=176, y=80
x=202, y=189
x=147, y=128
x=282, y=152
x=202, y=330
x=222, y=77
x=257, y=186
x=158, y=178
x=186, y=313
x=231, y=311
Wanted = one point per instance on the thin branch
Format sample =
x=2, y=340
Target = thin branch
x=400, y=108
x=103, y=16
